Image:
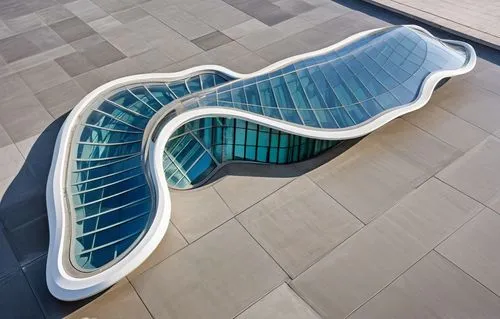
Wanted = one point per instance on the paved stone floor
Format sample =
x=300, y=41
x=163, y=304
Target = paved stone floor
x=475, y=19
x=402, y=224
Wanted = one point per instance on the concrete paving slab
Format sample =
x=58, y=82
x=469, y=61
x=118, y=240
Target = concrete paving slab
x=171, y=243
x=432, y=288
x=476, y=173
x=281, y=303
x=72, y=29
x=8, y=262
x=473, y=249
x=298, y=224
x=212, y=40
x=121, y=301
x=384, y=249
x=23, y=117
x=222, y=274
x=17, y=299
x=447, y=127
x=44, y=76
x=245, y=185
x=29, y=241
x=199, y=211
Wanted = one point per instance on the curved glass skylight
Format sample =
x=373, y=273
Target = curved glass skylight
x=126, y=141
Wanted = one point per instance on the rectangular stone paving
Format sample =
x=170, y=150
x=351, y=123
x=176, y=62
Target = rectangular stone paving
x=477, y=20
x=402, y=223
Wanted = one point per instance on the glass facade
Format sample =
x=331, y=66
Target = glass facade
x=110, y=198
x=199, y=147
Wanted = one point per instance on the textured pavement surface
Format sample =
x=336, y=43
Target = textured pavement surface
x=475, y=19
x=402, y=224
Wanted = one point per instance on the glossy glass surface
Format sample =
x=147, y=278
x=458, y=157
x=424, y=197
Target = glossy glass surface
x=348, y=86
x=199, y=147
x=109, y=193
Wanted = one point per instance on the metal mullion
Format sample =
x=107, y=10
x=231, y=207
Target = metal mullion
x=119, y=120
x=104, y=186
x=335, y=93
x=357, y=78
x=153, y=95
x=109, y=129
x=110, y=243
x=274, y=97
x=108, y=144
x=113, y=225
x=295, y=107
x=128, y=110
x=195, y=161
x=103, y=165
x=309, y=101
x=101, y=177
x=104, y=158
x=203, y=145
x=174, y=162
x=170, y=90
x=330, y=86
x=152, y=109
x=113, y=209
x=100, y=200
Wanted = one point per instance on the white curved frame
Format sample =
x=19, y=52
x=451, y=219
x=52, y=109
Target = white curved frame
x=63, y=285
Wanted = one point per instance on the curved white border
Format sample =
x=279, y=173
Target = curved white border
x=63, y=285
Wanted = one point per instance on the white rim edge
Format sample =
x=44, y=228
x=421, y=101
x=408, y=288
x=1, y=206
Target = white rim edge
x=69, y=288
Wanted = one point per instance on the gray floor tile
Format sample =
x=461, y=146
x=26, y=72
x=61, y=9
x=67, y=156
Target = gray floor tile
x=23, y=117
x=130, y=15
x=294, y=7
x=263, y=10
x=12, y=86
x=281, y=303
x=103, y=54
x=227, y=52
x=282, y=49
x=298, y=224
x=153, y=60
x=487, y=78
x=40, y=58
x=44, y=76
x=90, y=80
x=23, y=200
x=476, y=173
x=432, y=288
x=24, y=23
x=244, y=185
x=212, y=40
x=223, y=17
x=473, y=248
x=384, y=249
x=54, y=14
x=384, y=167
x=61, y=98
x=75, y=63
x=216, y=277
x=447, y=127
x=293, y=26
x=104, y=24
x=44, y=38
x=171, y=243
x=84, y=43
x=121, y=68
x=86, y=10
x=111, y=6
x=5, y=139
x=8, y=262
x=11, y=161
x=30, y=241
x=51, y=307
x=17, y=299
x=120, y=301
x=17, y=47
x=259, y=39
x=72, y=29
x=178, y=19
x=323, y=14
x=244, y=28
x=11, y=9
x=247, y=63
x=198, y=211
x=128, y=40
x=472, y=103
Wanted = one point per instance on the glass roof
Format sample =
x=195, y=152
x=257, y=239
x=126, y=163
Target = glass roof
x=109, y=195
